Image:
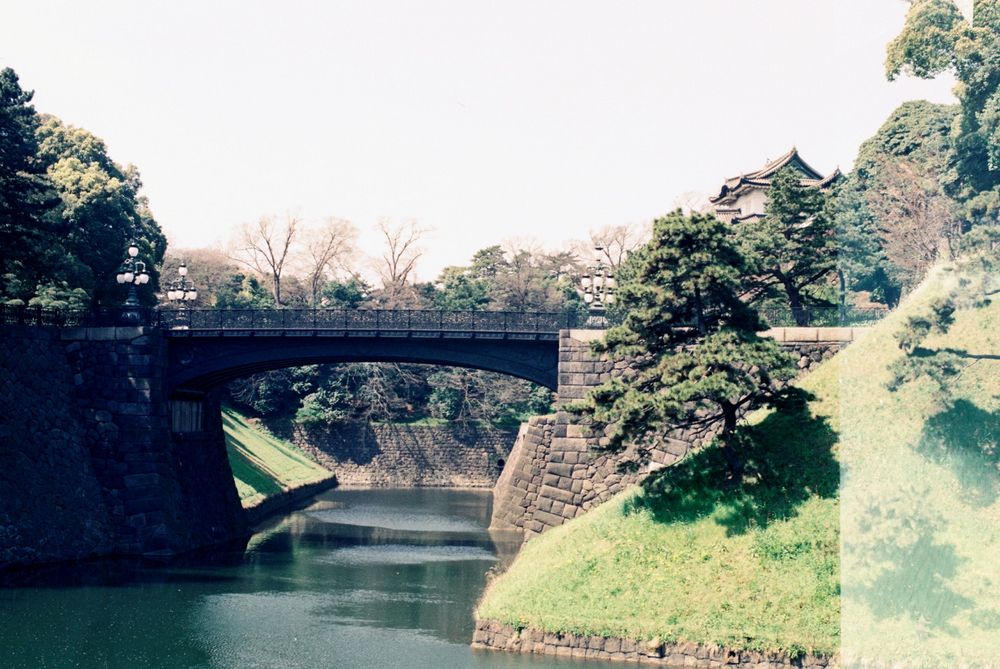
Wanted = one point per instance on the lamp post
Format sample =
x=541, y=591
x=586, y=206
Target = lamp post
x=133, y=272
x=598, y=286
x=182, y=292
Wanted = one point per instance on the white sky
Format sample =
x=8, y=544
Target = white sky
x=483, y=120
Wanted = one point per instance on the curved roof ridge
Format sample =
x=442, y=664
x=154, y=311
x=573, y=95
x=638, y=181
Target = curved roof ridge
x=773, y=166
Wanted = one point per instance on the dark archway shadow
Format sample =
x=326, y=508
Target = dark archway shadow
x=966, y=439
x=789, y=458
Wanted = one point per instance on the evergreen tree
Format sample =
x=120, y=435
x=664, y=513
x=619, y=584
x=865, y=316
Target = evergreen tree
x=862, y=264
x=458, y=289
x=884, y=211
x=102, y=209
x=793, y=247
x=28, y=227
x=936, y=39
x=696, y=359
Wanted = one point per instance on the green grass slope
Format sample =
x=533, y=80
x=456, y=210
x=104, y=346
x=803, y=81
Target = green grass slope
x=760, y=566
x=920, y=499
x=262, y=464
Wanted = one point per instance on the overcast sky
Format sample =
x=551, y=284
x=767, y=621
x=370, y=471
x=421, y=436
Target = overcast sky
x=483, y=120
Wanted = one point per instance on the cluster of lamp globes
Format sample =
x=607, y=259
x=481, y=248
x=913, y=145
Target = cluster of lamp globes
x=599, y=286
x=183, y=290
x=133, y=271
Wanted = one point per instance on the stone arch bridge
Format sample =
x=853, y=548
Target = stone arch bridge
x=208, y=348
x=144, y=418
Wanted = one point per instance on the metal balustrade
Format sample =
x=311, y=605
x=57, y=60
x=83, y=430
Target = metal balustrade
x=366, y=320
x=385, y=321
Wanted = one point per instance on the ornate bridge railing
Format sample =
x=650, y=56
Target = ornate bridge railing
x=382, y=321
x=366, y=320
x=18, y=315
x=822, y=317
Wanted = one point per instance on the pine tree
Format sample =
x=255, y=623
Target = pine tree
x=26, y=196
x=793, y=247
x=695, y=357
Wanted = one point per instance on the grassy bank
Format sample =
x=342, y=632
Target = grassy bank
x=760, y=566
x=263, y=465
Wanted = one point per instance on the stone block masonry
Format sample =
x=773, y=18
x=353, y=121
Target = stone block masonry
x=94, y=466
x=166, y=493
x=497, y=636
x=51, y=504
x=399, y=455
x=555, y=472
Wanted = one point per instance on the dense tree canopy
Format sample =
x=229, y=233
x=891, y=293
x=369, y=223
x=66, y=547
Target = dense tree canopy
x=697, y=360
x=791, y=249
x=67, y=210
x=27, y=198
x=935, y=39
x=103, y=210
x=893, y=214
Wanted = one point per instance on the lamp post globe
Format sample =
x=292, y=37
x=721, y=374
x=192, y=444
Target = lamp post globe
x=183, y=293
x=132, y=272
x=598, y=287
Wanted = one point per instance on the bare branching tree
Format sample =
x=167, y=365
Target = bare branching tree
x=398, y=260
x=266, y=247
x=328, y=249
x=691, y=202
x=916, y=220
x=615, y=241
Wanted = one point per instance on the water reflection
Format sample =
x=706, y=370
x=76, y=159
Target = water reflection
x=359, y=579
x=403, y=554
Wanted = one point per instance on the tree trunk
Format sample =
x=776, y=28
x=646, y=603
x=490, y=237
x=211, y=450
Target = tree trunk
x=699, y=316
x=734, y=459
x=842, y=280
x=277, y=289
x=794, y=299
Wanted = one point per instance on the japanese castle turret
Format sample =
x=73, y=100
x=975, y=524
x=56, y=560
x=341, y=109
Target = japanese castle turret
x=744, y=197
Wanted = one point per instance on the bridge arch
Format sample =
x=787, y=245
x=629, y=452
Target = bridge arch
x=200, y=361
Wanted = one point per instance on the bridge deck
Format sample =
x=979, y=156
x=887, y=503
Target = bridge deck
x=234, y=333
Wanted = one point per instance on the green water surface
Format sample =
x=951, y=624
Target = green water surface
x=359, y=578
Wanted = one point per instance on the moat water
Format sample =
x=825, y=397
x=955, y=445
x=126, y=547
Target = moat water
x=358, y=579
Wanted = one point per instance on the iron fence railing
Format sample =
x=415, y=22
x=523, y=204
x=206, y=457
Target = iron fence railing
x=822, y=316
x=364, y=320
x=385, y=320
x=21, y=315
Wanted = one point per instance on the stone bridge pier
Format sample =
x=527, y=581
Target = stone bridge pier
x=91, y=464
x=553, y=472
x=161, y=462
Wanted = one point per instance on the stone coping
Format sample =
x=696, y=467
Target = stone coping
x=491, y=635
x=810, y=335
x=122, y=333
x=281, y=501
x=789, y=335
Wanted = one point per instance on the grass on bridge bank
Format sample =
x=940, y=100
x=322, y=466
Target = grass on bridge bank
x=262, y=464
x=872, y=529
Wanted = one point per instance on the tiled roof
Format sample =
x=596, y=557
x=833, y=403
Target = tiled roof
x=762, y=178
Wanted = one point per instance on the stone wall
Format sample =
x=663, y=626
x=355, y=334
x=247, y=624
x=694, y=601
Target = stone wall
x=165, y=493
x=51, y=507
x=496, y=636
x=96, y=464
x=556, y=473
x=392, y=455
